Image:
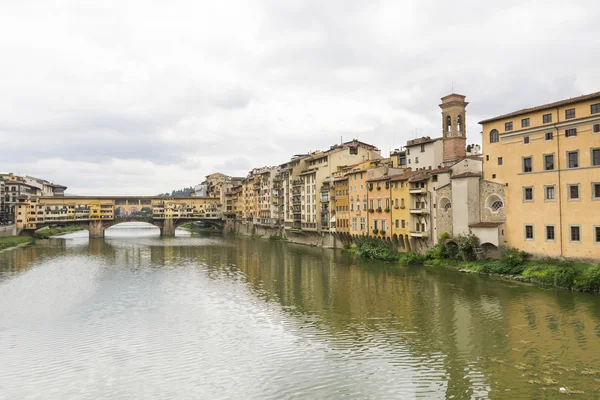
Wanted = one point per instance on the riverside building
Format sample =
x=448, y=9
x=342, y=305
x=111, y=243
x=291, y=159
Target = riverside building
x=548, y=159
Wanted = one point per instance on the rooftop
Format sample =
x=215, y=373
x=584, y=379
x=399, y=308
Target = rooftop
x=421, y=140
x=565, y=102
x=486, y=224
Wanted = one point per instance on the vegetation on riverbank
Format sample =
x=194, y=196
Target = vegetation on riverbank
x=190, y=226
x=12, y=241
x=46, y=233
x=514, y=264
x=376, y=249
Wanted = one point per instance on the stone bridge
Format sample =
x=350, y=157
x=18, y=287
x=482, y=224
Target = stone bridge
x=96, y=214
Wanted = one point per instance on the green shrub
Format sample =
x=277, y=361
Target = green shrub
x=274, y=238
x=466, y=246
x=412, y=259
x=376, y=249
x=514, y=257
x=589, y=279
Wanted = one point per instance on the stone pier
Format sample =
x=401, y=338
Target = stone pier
x=168, y=228
x=96, y=229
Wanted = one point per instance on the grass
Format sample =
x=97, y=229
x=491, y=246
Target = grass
x=12, y=241
x=573, y=275
x=566, y=274
x=46, y=233
x=190, y=226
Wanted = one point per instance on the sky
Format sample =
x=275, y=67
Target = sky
x=134, y=97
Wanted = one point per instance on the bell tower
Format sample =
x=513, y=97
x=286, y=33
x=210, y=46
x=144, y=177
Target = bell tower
x=454, y=132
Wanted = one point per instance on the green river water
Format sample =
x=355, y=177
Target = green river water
x=137, y=316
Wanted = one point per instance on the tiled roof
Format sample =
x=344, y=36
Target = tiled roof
x=486, y=224
x=545, y=106
x=467, y=175
x=416, y=142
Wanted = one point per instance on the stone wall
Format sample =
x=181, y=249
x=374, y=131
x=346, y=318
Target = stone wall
x=8, y=230
x=320, y=239
x=488, y=192
x=443, y=218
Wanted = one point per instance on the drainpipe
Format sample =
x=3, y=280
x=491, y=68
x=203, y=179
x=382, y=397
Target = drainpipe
x=560, y=225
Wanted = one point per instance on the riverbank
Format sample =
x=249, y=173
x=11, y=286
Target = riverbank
x=8, y=242
x=513, y=264
x=190, y=226
x=46, y=233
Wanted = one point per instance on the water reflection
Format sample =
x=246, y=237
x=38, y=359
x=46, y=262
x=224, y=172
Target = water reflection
x=234, y=317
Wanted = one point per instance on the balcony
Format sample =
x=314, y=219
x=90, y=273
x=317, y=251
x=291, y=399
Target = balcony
x=418, y=191
x=419, y=211
x=423, y=235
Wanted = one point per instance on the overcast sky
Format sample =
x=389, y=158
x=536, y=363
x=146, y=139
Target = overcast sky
x=129, y=97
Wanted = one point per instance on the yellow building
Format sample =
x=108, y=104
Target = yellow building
x=340, y=202
x=400, y=211
x=380, y=211
x=549, y=159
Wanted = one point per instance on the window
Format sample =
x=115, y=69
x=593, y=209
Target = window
x=422, y=148
x=402, y=203
x=528, y=194
x=447, y=206
x=596, y=191
x=549, y=162
x=416, y=160
x=550, y=193
x=371, y=203
x=575, y=233
x=528, y=232
x=496, y=205
x=573, y=192
x=494, y=136
x=550, y=232
x=571, y=132
x=570, y=113
x=527, y=164
x=362, y=224
x=499, y=160
x=387, y=203
x=595, y=108
x=354, y=223
x=596, y=128
x=434, y=178
x=548, y=136
x=595, y=157
x=487, y=157
x=547, y=118
x=526, y=140
x=397, y=223
x=508, y=126
x=493, y=176
x=408, y=152
x=597, y=234
x=573, y=159
x=403, y=223
x=524, y=122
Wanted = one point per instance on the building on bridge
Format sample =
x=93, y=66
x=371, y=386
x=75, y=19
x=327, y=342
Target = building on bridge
x=98, y=213
x=16, y=187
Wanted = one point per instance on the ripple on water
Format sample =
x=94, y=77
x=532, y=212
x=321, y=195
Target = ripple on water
x=214, y=318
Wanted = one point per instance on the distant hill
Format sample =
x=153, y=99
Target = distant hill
x=185, y=192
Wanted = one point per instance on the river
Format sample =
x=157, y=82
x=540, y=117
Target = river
x=212, y=317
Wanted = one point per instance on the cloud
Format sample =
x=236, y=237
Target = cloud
x=134, y=97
